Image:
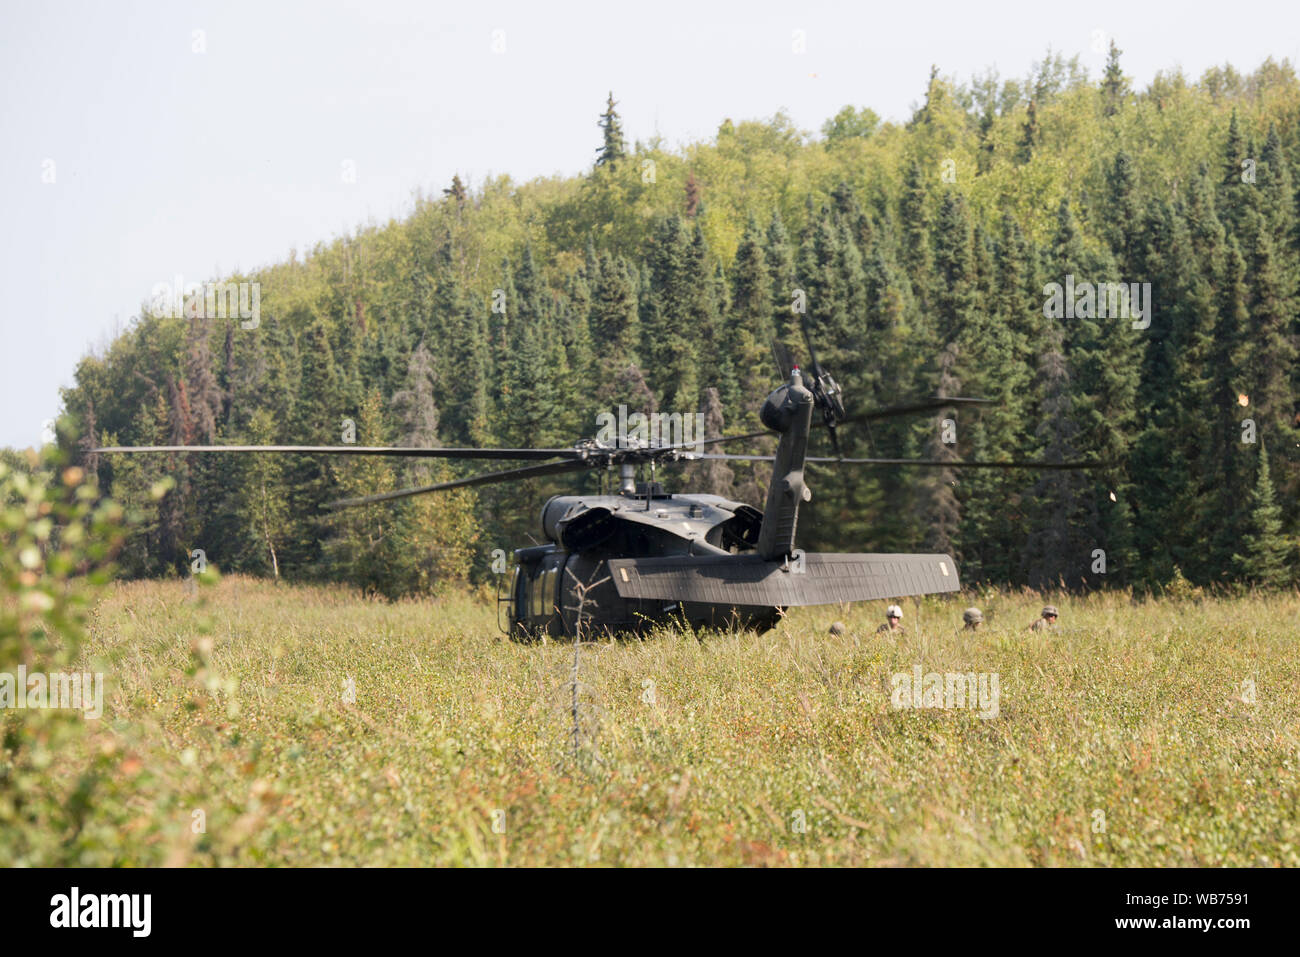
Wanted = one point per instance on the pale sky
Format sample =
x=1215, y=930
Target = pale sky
x=166, y=161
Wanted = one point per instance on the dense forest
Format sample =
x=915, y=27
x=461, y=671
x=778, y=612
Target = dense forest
x=922, y=254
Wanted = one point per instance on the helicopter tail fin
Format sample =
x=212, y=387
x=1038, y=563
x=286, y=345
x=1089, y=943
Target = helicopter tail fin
x=788, y=410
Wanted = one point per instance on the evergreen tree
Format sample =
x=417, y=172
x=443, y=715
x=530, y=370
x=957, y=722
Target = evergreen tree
x=672, y=361
x=915, y=219
x=1232, y=199
x=1166, y=481
x=954, y=269
x=714, y=477
x=204, y=395
x=1029, y=134
x=572, y=320
x=938, y=505
x=456, y=193
x=317, y=421
x=464, y=362
x=1114, y=86
x=1271, y=352
x=1123, y=216
x=1229, y=386
x=1052, y=551
x=364, y=545
x=1266, y=555
x=615, y=325
x=780, y=264
x=138, y=483
x=612, y=149
x=751, y=331
x=996, y=360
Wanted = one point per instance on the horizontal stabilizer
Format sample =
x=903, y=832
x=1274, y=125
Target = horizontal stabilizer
x=742, y=580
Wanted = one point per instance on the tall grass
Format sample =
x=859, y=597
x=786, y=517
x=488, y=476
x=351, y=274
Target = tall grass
x=1147, y=732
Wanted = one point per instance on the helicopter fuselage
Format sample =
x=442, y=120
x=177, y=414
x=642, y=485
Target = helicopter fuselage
x=552, y=584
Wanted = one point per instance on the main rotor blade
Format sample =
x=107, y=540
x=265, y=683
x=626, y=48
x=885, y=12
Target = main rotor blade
x=923, y=463
x=717, y=439
x=921, y=405
x=417, y=453
x=490, y=478
x=784, y=360
x=959, y=464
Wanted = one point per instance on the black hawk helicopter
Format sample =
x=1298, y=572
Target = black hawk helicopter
x=628, y=561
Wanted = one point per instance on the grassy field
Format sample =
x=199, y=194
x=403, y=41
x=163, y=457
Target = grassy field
x=1138, y=733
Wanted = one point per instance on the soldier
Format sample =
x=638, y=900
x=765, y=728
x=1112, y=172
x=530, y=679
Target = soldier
x=973, y=618
x=1046, y=620
x=893, y=621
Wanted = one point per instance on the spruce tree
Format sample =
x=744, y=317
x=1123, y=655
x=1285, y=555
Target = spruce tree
x=363, y=542
x=672, y=361
x=1165, y=475
x=749, y=334
x=615, y=324
x=318, y=420
x=1265, y=555
x=1229, y=387
x=612, y=148
x=780, y=263
x=1114, y=86
x=1233, y=193
x=1123, y=212
x=456, y=193
x=572, y=320
x=1271, y=352
x=1029, y=134
x=463, y=359
x=1051, y=555
x=995, y=366
x=913, y=215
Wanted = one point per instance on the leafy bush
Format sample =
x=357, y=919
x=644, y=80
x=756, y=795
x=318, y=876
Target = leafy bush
x=56, y=539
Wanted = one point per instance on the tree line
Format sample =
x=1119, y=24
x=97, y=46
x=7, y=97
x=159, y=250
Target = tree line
x=919, y=256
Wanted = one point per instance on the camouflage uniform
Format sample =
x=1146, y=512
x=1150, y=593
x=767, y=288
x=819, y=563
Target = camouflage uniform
x=893, y=622
x=1042, y=624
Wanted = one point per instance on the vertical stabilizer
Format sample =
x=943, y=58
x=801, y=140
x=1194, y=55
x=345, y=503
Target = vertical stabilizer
x=788, y=410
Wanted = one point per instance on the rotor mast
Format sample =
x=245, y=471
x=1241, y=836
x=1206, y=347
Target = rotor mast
x=626, y=478
x=788, y=410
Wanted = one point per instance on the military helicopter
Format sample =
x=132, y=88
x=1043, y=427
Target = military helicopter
x=624, y=562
